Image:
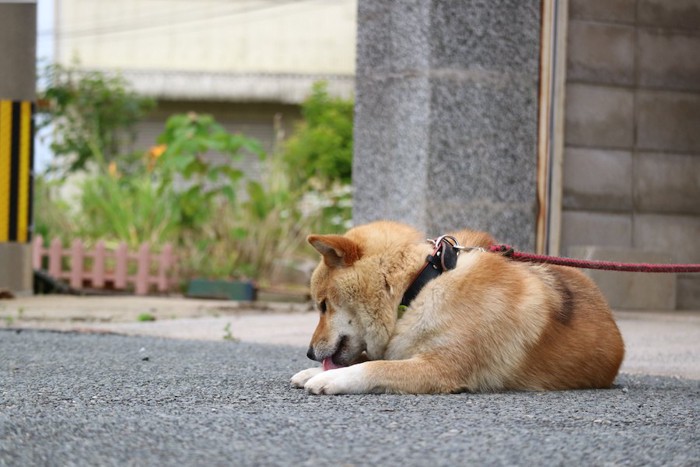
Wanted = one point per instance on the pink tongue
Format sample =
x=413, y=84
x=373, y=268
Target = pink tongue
x=328, y=364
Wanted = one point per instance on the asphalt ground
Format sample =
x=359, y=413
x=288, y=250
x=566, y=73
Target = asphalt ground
x=105, y=399
x=657, y=343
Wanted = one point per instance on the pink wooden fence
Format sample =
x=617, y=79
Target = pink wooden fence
x=100, y=274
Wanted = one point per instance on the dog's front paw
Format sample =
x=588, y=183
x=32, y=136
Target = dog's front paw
x=349, y=380
x=300, y=379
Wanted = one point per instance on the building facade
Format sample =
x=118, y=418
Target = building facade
x=244, y=61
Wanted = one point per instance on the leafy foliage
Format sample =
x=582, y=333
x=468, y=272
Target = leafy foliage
x=187, y=141
x=321, y=146
x=189, y=189
x=176, y=192
x=126, y=209
x=92, y=115
x=53, y=216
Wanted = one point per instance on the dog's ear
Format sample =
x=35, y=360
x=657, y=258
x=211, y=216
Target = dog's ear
x=337, y=251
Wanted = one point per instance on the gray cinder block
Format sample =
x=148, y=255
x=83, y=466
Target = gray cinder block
x=688, y=292
x=676, y=234
x=667, y=183
x=596, y=228
x=620, y=11
x=630, y=290
x=600, y=116
x=600, y=53
x=596, y=179
x=676, y=14
x=668, y=121
x=669, y=60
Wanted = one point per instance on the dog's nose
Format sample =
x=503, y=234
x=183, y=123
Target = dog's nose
x=311, y=354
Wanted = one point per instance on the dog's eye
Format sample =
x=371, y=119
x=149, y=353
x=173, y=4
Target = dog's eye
x=322, y=306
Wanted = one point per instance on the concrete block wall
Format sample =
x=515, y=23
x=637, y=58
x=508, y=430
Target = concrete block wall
x=631, y=169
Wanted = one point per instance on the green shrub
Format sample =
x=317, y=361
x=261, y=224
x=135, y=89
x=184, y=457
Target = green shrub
x=321, y=147
x=53, y=216
x=92, y=116
x=221, y=222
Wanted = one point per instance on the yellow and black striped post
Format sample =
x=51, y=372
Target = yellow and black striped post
x=18, y=34
x=16, y=167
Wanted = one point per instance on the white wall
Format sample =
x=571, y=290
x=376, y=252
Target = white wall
x=240, y=36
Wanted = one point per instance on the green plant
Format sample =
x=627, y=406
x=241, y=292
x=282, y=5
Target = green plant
x=187, y=140
x=271, y=225
x=128, y=209
x=228, y=336
x=174, y=196
x=190, y=190
x=92, y=115
x=54, y=217
x=268, y=227
x=204, y=190
x=145, y=317
x=321, y=146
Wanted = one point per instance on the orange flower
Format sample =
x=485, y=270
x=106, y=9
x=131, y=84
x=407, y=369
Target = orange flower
x=112, y=169
x=154, y=153
x=157, y=151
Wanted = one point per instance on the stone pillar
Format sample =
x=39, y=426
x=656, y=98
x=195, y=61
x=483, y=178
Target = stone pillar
x=17, y=92
x=446, y=115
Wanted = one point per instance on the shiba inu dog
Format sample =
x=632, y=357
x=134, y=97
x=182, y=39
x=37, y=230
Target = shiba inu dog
x=471, y=320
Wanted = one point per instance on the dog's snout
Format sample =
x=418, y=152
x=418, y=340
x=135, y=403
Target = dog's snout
x=311, y=354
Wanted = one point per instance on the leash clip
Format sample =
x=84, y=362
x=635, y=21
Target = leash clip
x=444, y=259
x=449, y=239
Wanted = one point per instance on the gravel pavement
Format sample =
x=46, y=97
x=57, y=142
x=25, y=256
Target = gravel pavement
x=104, y=399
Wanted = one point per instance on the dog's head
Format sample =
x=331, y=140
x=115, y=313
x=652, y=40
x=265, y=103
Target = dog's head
x=355, y=291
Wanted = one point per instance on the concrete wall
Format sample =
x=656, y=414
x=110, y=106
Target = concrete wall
x=446, y=115
x=632, y=140
x=234, y=50
x=246, y=36
x=244, y=61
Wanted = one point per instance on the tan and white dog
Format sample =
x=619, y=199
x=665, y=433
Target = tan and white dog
x=489, y=324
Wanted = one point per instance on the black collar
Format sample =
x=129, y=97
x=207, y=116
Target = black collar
x=443, y=258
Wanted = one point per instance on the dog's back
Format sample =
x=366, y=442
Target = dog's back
x=581, y=346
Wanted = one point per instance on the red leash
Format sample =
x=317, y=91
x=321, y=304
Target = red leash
x=586, y=264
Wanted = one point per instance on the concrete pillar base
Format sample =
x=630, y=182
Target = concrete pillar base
x=16, y=268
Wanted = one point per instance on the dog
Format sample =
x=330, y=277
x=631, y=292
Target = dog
x=484, y=323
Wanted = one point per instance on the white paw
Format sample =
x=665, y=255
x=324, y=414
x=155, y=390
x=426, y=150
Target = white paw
x=300, y=379
x=348, y=380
